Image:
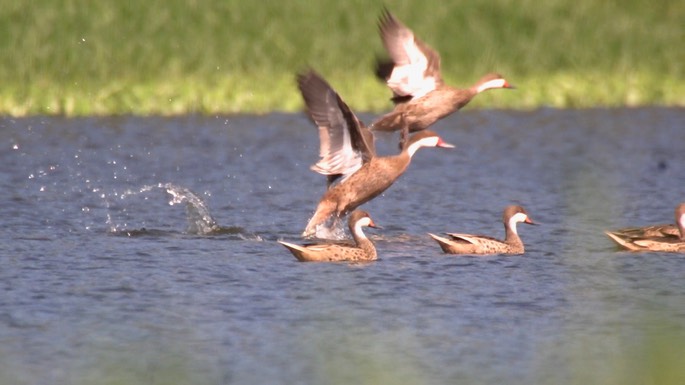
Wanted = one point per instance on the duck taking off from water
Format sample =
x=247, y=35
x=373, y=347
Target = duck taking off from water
x=484, y=245
x=362, y=250
x=413, y=74
x=668, y=238
x=348, y=153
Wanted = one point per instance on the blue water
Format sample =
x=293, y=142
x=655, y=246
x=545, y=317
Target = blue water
x=144, y=250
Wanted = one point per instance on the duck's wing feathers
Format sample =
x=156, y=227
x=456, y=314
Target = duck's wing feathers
x=325, y=243
x=416, y=66
x=319, y=246
x=345, y=144
x=473, y=239
x=649, y=231
x=666, y=242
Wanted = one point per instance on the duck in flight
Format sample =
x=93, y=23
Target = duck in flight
x=412, y=72
x=348, y=154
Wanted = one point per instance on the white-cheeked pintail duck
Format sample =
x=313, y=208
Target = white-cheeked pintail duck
x=413, y=74
x=484, y=245
x=667, y=238
x=362, y=250
x=347, y=151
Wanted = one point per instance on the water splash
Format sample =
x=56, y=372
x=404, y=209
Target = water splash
x=332, y=229
x=199, y=219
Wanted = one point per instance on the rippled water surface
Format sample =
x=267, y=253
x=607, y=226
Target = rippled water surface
x=143, y=250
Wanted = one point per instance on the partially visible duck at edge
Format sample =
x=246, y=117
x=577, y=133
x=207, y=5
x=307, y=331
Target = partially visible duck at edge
x=413, y=75
x=362, y=250
x=366, y=175
x=484, y=245
x=668, y=237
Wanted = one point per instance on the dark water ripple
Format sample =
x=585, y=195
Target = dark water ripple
x=102, y=271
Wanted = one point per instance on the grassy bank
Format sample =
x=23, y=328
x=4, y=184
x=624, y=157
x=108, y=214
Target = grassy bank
x=81, y=57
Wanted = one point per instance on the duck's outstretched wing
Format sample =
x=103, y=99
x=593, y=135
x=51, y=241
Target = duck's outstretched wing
x=345, y=143
x=414, y=68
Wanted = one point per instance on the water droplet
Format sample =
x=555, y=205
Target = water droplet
x=15, y=147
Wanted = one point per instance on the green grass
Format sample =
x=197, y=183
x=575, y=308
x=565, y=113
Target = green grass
x=78, y=57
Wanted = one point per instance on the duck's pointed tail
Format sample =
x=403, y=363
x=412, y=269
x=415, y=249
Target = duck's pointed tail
x=443, y=242
x=296, y=250
x=621, y=241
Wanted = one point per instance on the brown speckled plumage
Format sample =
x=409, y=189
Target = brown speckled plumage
x=362, y=250
x=484, y=245
x=666, y=238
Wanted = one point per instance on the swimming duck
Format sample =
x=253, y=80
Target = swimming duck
x=362, y=250
x=483, y=245
x=347, y=153
x=669, y=238
x=413, y=74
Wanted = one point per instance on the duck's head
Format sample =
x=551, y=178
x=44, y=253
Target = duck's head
x=490, y=81
x=425, y=138
x=360, y=218
x=515, y=214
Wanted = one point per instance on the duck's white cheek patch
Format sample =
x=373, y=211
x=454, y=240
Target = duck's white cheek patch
x=358, y=226
x=518, y=217
x=682, y=221
x=495, y=83
x=430, y=141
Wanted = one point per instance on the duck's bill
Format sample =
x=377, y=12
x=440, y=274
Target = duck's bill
x=444, y=144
